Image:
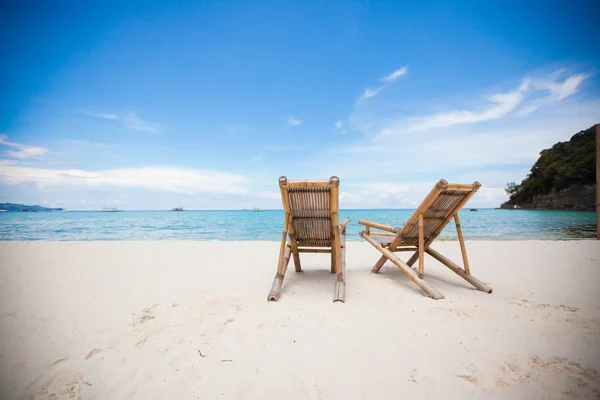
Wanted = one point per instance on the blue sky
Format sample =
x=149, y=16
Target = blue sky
x=152, y=105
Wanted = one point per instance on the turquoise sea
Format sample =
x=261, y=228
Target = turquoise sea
x=484, y=224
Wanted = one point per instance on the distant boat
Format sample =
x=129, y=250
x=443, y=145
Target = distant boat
x=61, y=210
x=110, y=209
x=177, y=209
x=473, y=209
x=26, y=210
x=256, y=209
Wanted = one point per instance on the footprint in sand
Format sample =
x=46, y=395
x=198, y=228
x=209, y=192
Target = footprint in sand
x=60, y=360
x=470, y=378
x=93, y=353
x=555, y=373
x=146, y=315
x=66, y=387
x=533, y=306
x=142, y=342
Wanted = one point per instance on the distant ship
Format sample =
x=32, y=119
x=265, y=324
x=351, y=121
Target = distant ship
x=177, y=209
x=110, y=209
x=473, y=209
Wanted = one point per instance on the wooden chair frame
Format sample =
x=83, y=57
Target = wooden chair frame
x=308, y=213
x=422, y=228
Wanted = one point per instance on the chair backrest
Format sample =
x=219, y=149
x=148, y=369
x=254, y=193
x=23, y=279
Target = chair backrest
x=439, y=207
x=313, y=209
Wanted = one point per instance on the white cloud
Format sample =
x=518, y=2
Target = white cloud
x=338, y=124
x=85, y=143
x=100, y=115
x=368, y=93
x=293, y=121
x=23, y=151
x=135, y=123
x=560, y=90
x=396, y=74
x=503, y=103
x=165, y=178
x=269, y=195
x=528, y=110
x=343, y=132
x=346, y=197
x=388, y=80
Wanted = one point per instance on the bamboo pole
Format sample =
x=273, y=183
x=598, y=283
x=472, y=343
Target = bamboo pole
x=369, y=224
x=305, y=250
x=282, y=246
x=476, y=185
x=430, y=198
x=421, y=239
x=342, y=227
x=339, y=292
x=275, y=292
x=414, y=257
x=426, y=287
x=598, y=181
x=463, y=248
x=285, y=199
x=459, y=187
x=333, y=259
x=322, y=184
x=334, y=183
x=459, y=271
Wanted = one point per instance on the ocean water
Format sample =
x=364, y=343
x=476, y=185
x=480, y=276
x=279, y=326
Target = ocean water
x=485, y=224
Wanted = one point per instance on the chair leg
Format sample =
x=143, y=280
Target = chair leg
x=333, y=268
x=459, y=271
x=284, y=259
x=378, y=265
x=421, y=248
x=426, y=287
x=275, y=292
x=340, y=281
x=295, y=253
x=413, y=259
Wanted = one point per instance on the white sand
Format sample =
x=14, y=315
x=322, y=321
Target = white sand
x=127, y=320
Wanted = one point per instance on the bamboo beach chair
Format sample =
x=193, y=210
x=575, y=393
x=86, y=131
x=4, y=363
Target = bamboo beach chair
x=311, y=223
x=440, y=206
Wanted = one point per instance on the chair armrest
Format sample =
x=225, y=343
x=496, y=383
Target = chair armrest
x=375, y=225
x=344, y=224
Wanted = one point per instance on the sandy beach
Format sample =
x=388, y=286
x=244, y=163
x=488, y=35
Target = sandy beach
x=190, y=320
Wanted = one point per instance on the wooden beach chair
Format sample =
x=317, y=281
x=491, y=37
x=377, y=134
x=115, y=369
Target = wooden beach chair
x=311, y=224
x=440, y=206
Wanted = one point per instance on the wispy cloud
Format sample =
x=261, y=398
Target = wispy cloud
x=293, y=121
x=135, y=123
x=396, y=74
x=85, y=143
x=368, y=93
x=164, y=178
x=131, y=120
x=23, y=151
x=502, y=104
x=100, y=115
x=338, y=124
x=387, y=81
x=561, y=90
